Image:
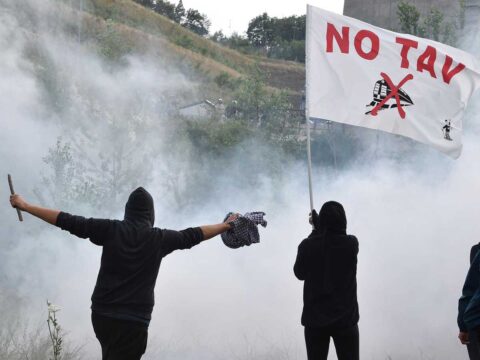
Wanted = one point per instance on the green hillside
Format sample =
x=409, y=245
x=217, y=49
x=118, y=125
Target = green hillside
x=142, y=29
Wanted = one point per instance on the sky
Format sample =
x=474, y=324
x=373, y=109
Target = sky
x=233, y=16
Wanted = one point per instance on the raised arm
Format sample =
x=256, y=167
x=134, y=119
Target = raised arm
x=94, y=229
x=48, y=215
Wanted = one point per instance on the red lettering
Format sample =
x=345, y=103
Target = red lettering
x=342, y=40
x=449, y=74
x=426, y=61
x=375, y=44
x=407, y=44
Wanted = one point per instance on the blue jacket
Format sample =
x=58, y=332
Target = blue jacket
x=469, y=303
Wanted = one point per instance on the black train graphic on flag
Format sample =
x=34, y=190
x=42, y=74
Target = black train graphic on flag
x=381, y=91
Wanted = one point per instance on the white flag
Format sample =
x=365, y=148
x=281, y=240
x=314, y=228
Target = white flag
x=362, y=75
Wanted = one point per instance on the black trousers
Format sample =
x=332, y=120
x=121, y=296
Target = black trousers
x=347, y=343
x=474, y=345
x=120, y=339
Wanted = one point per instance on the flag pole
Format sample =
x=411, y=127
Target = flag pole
x=307, y=114
x=309, y=157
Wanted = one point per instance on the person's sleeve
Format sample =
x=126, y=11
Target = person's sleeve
x=462, y=306
x=355, y=244
x=470, y=287
x=180, y=240
x=300, y=267
x=97, y=230
x=473, y=252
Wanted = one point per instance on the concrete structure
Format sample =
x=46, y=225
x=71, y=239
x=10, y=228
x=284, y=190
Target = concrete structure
x=383, y=13
x=200, y=110
x=471, y=34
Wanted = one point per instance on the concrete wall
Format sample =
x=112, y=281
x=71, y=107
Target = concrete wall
x=382, y=12
x=471, y=34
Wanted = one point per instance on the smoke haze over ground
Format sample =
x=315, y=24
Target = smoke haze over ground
x=415, y=217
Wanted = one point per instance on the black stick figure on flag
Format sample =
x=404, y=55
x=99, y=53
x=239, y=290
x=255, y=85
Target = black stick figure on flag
x=385, y=90
x=446, y=130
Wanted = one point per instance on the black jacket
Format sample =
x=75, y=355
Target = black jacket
x=132, y=252
x=473, y=252
x=327, y=261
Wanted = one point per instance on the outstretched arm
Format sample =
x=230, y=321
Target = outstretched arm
x=94, y=229
x=185, y=239
x=210, y=231
x=48, y=215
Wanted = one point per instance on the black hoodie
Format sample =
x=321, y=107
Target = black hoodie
x=327, y=261
x=132, y=252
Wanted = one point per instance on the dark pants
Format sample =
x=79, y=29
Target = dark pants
x=474, y=345
x=347, y=343
x=120, y=339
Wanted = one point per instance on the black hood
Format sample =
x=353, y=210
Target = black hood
x=139, y=207
x=332, y=218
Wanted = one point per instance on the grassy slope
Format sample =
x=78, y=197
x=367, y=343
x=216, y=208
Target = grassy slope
x=142, y=25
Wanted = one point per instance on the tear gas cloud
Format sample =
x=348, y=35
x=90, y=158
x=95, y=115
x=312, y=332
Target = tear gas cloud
x=415, y=217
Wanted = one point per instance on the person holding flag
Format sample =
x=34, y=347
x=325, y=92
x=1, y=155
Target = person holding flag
x=361, y=75
x=327, y=263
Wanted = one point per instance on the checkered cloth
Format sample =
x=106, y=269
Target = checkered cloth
x=244, y=231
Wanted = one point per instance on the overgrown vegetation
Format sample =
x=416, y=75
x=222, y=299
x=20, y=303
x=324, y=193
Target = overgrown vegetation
x=19, y=341
x=278, y=38
x=191, y=19
x=144, y=30
x=433, y=25
x=54, y=331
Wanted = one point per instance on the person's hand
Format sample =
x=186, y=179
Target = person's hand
x=313, y=218
x=463, y=337
x=17, y=202
x=232, y=217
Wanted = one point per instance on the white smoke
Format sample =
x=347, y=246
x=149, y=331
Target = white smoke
x=415, y=217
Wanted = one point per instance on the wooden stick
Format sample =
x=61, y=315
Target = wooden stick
x=10, y=183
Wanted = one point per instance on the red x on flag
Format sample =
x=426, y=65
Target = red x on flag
x=393, y=93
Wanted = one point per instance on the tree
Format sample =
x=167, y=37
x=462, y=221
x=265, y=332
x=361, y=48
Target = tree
x=179, y=13
x=293, y=50
x=409, y=18
x=58, y=184
x=260, y=31
x=282, y=38
x=147, y=3
x=462, y=14
x=239, y=43
x=165, y=8
x=433, y=24
x=196, y=22
x=449, y=34
x=219, y=37
x=289, y=28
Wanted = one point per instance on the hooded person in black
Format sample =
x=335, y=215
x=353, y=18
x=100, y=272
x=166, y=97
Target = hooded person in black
x=327, y=263
x=132, y=251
